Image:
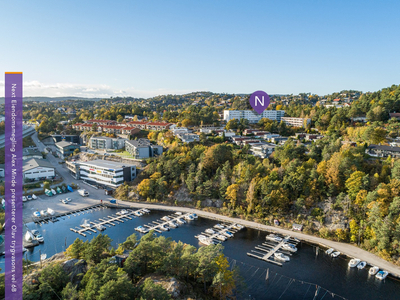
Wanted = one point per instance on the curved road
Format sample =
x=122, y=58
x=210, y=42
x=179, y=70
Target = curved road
x=347, y=249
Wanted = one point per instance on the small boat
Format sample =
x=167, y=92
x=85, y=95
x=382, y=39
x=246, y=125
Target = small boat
x=201, y=236
x=189, y=217
x=179, y=221
x=240, y=227
x=147, y=211
x=221, y=237
x=172, y=225
x=206, y=241
x=289, y=247
x=39, y=238
x=142, y=229
x=361, y=265
x=219, y=226
x=86, y=224
x=335, y=254
x=195, y=216
x=138, y=213
x=354, y=262
x=35, y=232
x=274, y=238
x=372, y=271
x=178, y=213
x=381, y=275
x=36, y=214
x=281, y=256
x=50, y=212
x=100, y=227
x=29, y=237
x=164, y=228
x=43, y=213
x=43, y=256
x=165, y=218
x=228, y=234
x=329, y=251
x=122, y=212
x=209, y=231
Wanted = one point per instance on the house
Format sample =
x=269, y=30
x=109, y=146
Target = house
x=383, y=151
x=128, y=130
x=395, y=115
x=37, y=169
x=142, y=148
x=65, y=149
x=158, y=125
x=137, y=124
x=262, y=150
x=188, y=137
x=180, y=130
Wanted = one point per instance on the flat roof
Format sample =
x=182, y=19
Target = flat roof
x=106, y=164
x=34, y=163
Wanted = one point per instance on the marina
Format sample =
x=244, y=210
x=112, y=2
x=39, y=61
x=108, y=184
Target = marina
x=275, y=247
x=219, y=233
x=167, y=222
x=124, y=215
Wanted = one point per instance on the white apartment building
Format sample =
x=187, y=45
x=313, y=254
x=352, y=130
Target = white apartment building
x=252, y=116
x=296, y=122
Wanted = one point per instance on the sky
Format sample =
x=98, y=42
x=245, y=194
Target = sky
x=147, y=48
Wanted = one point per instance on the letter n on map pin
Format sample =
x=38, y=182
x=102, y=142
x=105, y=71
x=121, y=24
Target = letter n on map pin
x=259, y=101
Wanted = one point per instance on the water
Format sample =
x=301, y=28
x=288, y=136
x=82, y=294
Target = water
x=306, y=266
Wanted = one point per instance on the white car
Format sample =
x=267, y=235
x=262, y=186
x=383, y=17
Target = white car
x=68, y=199
x=64, y=201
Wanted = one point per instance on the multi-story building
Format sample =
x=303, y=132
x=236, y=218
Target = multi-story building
x=383, y=151
x=67, y=138
x=296, y=122
x=262, y=150
x=142, y=148
x=65, y=149
x=106, y=143
x=36, y=169
x=102, y=172
x=252, y=116
x=158, y=125
x=188, y=137
x=101, y=122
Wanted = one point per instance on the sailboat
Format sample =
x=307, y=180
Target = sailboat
x=29, y=237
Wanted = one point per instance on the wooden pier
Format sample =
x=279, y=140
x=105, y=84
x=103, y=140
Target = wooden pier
x=156, y=225
x=268, y=249
x=112, y=220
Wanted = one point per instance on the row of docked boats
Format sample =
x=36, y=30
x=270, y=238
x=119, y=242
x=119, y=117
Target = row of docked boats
x=355, y=262
x=219, y=232
x=288, y=244
x=332, y=252
x=44, y=213
x=169, y=222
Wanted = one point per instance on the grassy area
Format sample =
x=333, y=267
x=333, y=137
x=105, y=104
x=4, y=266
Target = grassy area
x=125, y=154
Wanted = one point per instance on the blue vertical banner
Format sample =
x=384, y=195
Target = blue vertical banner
x=13, y=186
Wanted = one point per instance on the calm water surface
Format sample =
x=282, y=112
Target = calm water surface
x=291, y=281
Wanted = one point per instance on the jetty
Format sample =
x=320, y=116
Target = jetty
x=232, y=228
x=108, y=221
x=267, y=250
x=164, y=223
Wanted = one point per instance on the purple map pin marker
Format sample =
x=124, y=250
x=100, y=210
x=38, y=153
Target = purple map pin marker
x=259, y=101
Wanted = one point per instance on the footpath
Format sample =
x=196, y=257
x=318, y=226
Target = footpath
x=346, y=249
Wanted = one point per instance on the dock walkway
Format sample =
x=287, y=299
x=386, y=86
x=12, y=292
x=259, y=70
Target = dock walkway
x=157, y=225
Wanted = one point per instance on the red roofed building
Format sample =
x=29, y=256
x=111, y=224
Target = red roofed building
x=337, y=100
x=130, y=130
x=101, y=122
x=137, y=124
x=109, y=128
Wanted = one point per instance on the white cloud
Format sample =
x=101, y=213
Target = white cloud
x=36, y=88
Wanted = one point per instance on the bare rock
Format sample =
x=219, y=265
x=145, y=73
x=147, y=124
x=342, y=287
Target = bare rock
x=75, y=268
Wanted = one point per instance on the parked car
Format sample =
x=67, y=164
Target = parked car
x=64, y=201
x=68, y=199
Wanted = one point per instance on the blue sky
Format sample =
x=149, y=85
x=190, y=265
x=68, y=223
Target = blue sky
x=147, y=48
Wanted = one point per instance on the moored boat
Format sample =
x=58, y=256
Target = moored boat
x=165, y=218
x=335, y=254
x=122, y=212
x=227, y=234
x=50, y=211
x=373, y=270
x=281, y=256
x=100, y=227
x=219, y=226
x=289, y=247
x=329, y=251
x=209, y=231
x=172, y=225
x=205, y=240
x=221, y=237
x=381, y=275
x=274, y=238
x=354, y=262
x=189, y=217
x=361, y=265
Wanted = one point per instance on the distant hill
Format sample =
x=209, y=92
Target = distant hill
x=48, y=99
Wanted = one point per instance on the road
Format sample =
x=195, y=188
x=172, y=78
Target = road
x=347, y=249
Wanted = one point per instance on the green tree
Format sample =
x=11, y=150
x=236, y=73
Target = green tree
x=76, y=249
x=152, y=291
x=119, y=289
x=52, y=281
x=356, y=182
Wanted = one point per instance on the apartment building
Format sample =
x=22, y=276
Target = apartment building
x=106, y=143
x=252, y=116
x=142, y=148
x=65, y=149
x=296, y=122
x=383, y=151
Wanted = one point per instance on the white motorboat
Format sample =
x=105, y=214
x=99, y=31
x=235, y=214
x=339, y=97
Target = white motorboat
x=289, y=247
x=39, y=238
x=36, y=214
x=209, y=231
x=195, y=216
x=381, y=275
x=147, y=211
x=86, y=224
x=50, y=211
x=165, y=218
x=43, y=213
x=122, y=212
x=172, y=225
x=221, y=237
x=35, y=232
x=372, y=271
x=281, y=256
x=274, y=238
x=179, y=221
x=178, y=213
x=361, y=265
x=164, y=228
x=138, y=213
x=142, y=229
x=354, y=262
x=206, y=241
x=335, y=254
x=219, y=226
x=189, y=217
x=329, y=251
x=201, y=236
x=100, y=227
x=227, y=234
x=240, y=227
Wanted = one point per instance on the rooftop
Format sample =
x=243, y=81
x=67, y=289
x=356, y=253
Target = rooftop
x=105, y=164
x=384, y=147
x=63, y=144
x=139, y=142
x=34, y=163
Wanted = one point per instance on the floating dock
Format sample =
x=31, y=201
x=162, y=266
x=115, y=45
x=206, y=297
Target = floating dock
x=156, y=225
x=268, y=249
x=112, y=220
